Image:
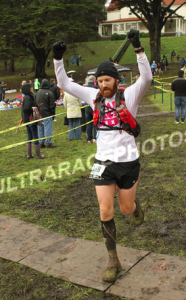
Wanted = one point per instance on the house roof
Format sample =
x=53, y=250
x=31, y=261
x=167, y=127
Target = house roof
x=177, y=2
x=122, y=20
x=166, y=2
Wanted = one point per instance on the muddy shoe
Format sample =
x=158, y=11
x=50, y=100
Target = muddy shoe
x=113, y=268
x=110, y=275
x=138, y=214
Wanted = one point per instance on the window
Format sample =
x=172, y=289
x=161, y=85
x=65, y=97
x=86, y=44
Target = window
x=115, y=27
x=121, y=27
x=131, y=26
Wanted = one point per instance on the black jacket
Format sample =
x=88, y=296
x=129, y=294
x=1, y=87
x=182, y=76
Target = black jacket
x=55, y=90
x=45, y=99
x=179, y=86
x=28, y=103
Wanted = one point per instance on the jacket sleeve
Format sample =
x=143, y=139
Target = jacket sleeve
x=57, y=93
x=34, y=101
x=27, y=105
x=52, y=104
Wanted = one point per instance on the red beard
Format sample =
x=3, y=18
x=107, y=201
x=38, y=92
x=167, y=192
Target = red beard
x=109, y=92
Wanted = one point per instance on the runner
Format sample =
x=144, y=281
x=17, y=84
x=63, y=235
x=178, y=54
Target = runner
x=117, y=160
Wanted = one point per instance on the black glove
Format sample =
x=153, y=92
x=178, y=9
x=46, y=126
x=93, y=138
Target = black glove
x=58, y=49
x=134, y=37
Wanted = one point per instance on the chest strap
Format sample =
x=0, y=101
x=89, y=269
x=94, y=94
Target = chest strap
x=126, y=121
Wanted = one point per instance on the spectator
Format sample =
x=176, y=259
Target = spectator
x=22, y=83
x=179, y=88
x=182, y=62
x=173, y=55
x=72, y=60
x=73, y=108
x=178, y=57
x=122, y=79
x=36, y=85
x=165, y=62
x=54, y=88
x=160, y=67
x=46, y=105
x=77, y=60
x=26, y=111
x=90, y=128
x=2, y=90
x=153, y=67
x=31, y=82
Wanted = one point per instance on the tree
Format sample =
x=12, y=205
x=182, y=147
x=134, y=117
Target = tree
x=37, y=24
x=154, y=15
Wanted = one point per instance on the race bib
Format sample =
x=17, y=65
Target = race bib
x=97, y=171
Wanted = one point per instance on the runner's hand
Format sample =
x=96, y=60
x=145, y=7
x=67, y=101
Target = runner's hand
x=134, y=37
x=58, y=49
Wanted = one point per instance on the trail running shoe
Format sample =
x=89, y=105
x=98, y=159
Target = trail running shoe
x=138, y=214
x=114, y=267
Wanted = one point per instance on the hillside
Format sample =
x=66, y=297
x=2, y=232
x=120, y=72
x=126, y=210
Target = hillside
x=92, y=54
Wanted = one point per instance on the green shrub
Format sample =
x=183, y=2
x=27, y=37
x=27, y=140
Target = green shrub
x=116, y=36
x=144, y=34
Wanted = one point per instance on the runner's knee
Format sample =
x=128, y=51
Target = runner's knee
x=106, y=212
x=127, y=209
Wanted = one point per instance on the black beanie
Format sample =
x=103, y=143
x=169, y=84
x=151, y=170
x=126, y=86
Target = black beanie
x=107, y=67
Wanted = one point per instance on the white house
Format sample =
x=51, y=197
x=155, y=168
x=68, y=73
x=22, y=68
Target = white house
x=121, y=21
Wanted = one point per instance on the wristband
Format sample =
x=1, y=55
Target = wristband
x=139, y=50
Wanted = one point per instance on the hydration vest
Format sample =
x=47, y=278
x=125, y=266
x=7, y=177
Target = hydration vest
x=126, y=121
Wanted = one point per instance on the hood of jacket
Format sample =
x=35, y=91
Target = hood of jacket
x=26, y=88
x=45, y=84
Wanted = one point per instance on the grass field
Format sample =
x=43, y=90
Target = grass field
x=56, y=193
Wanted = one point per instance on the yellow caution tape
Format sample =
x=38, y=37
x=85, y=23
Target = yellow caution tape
x=168, y=91
x=22, y=143
x=28, y=123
